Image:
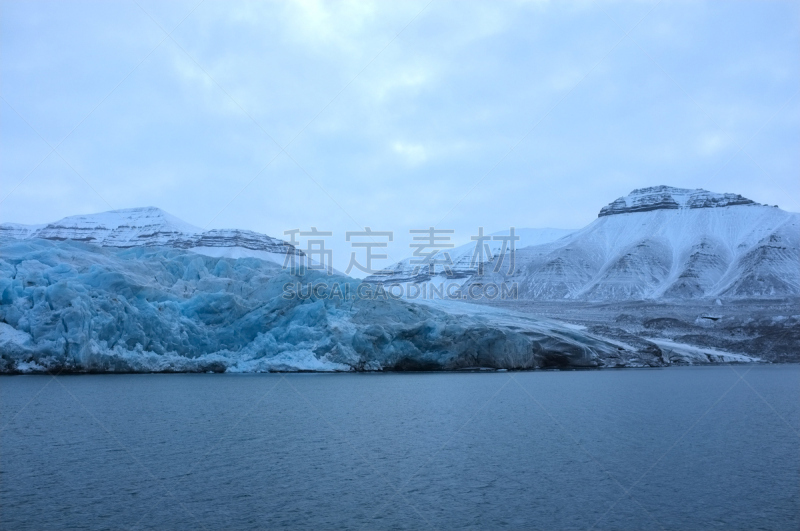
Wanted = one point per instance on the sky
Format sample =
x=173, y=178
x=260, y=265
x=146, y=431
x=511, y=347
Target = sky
x=392, y=115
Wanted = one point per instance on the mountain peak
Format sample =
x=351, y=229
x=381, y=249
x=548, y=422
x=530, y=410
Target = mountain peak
x=151, y=226
x=670, y=198
x=133, y=218
x=126, y=227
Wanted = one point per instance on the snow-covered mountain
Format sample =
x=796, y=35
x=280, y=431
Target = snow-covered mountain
x=669, y=198
x=151, y=226
x=666, y=243
x=463, y=262
x=18, y=231
x=656, y=243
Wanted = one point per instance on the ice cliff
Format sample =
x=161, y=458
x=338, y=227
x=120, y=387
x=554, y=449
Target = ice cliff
x=75, y=307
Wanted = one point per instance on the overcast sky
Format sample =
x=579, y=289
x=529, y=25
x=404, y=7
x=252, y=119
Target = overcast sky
x=396, y=116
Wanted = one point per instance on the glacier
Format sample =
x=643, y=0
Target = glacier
x=69, y=306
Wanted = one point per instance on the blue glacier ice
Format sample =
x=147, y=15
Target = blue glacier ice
x=77, y=307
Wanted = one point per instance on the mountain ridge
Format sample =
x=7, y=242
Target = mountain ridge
x=664, y=197
x=728, y=246
x=152, y=226
x=658, y=242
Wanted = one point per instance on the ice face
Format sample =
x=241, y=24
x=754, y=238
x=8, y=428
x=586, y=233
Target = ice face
x=72, y=306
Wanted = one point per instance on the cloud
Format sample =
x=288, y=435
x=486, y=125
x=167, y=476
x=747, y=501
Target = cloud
x=712, y=144
x=412, y=154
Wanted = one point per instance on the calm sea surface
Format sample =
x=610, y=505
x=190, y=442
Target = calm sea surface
x=680, y=448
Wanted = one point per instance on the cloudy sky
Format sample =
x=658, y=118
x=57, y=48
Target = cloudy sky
x=396, y=116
